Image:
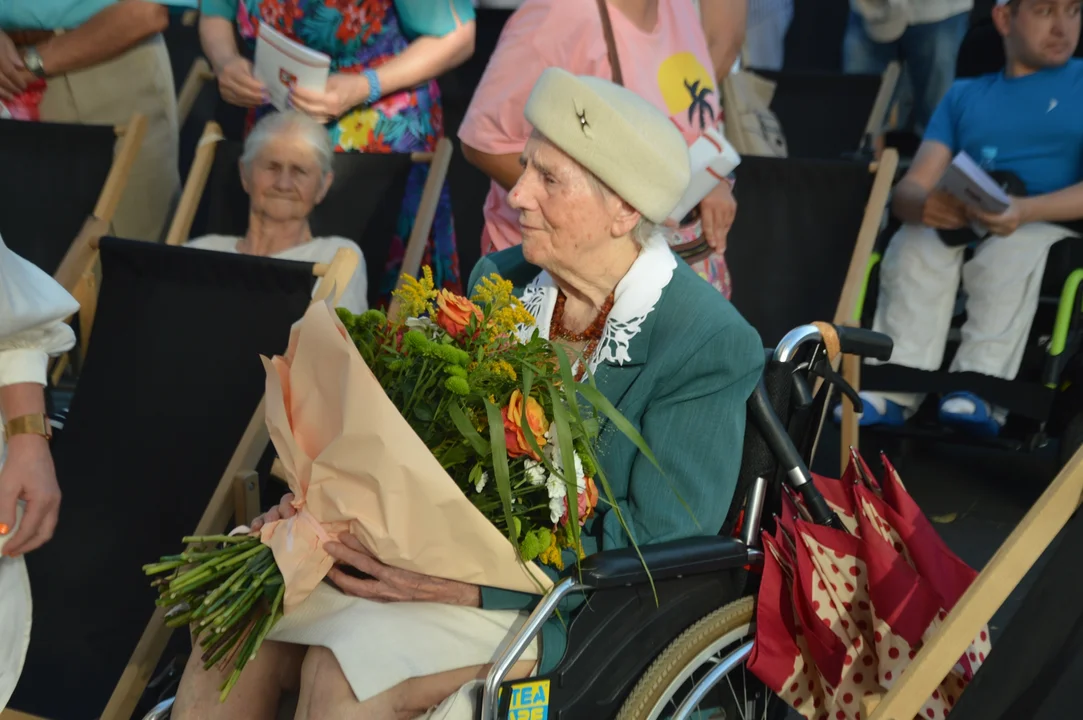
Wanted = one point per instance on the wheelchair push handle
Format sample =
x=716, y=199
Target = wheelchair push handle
x=797, y=473
x=864, y=343
x=850, y=341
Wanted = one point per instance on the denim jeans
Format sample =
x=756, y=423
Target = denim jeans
x=927, y=53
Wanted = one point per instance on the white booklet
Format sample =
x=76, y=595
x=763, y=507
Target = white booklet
x=973, y=186
x=711, y=158
x=283, y=64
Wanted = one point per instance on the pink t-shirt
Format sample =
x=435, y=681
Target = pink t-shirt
x=670, y=66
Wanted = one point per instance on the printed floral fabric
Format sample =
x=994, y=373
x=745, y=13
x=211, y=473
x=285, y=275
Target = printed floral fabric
x=358, y=35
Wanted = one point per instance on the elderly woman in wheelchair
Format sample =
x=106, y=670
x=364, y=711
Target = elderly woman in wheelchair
x=603, y=168
x=286, y=171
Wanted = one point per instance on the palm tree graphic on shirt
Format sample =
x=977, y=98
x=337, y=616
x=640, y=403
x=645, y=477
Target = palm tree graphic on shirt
x=699, y=104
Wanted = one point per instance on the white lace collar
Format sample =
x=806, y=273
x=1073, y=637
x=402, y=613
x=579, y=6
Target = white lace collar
x=633, y=300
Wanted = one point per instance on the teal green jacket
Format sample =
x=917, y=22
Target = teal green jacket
x=684, y=384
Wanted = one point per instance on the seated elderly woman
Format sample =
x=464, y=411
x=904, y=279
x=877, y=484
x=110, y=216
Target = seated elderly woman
x=286, y=171
x=602, y=168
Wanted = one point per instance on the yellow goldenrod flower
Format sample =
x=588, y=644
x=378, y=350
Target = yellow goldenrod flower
x=504, y=368
x=416, y=296
x=493, y=290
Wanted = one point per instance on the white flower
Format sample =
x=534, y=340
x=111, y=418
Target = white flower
x=535, y=472
x=556, y=509
x=556, y=487
x=424, y=324
x=482, y=482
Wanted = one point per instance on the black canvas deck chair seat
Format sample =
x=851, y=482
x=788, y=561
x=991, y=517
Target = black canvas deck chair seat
x=800, y=244
x=164, y=402
x=56, y=176
x=831, y=115
x=363, y=203
x=61, y=184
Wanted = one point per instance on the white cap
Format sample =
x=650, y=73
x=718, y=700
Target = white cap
x=15, y=617
x=629, y=144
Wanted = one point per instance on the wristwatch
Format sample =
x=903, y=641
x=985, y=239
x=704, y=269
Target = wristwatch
x=37, y=424
x=33, y=62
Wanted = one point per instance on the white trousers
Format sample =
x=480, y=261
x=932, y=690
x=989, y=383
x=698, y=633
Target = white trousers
x=919, y=281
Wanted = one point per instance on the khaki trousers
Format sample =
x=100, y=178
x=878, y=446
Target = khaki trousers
x=140, y=80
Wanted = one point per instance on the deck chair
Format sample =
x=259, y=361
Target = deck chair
x=57, y=176
x=831, y=115
x=1038, y=673
x=800, y=245
x=62, y=197
x=165, y=400
x=362, y=205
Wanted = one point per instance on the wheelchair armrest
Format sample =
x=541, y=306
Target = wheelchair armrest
x=689, y=556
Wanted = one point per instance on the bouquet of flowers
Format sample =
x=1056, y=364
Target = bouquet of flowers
x=511, y=439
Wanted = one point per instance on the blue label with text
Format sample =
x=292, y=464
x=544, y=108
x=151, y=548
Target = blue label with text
x=530, y=701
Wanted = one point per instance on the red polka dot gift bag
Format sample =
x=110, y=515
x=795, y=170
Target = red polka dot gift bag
x=841, y=614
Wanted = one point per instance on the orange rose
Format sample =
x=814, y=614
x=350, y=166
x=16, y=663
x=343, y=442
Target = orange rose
x=513, y=430
x=453, y=312
x=588, y=500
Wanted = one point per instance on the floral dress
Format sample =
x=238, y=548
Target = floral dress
x=358, y=35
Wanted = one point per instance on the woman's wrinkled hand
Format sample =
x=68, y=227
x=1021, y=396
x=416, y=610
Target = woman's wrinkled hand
x=238, y=86
x=344, y=92
x=283, y=510
x=388, y=584
x=716, y=212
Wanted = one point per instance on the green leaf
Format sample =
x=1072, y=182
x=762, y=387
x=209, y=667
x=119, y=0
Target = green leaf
x=595, y=397
x=500, y=466
x=462, y=423
x=423, y=412
x=567, y=457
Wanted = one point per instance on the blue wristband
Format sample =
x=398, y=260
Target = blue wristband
x=375, y=93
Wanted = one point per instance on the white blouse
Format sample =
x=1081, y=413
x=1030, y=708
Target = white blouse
x=317, y=250
x=33, y=307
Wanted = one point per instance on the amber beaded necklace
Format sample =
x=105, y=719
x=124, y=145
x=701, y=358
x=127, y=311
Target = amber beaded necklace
x=592, y=335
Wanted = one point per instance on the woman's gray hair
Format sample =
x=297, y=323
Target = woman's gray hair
x=286, y=123
x=644, y=229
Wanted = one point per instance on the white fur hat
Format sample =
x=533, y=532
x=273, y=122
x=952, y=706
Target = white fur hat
x=617, y=135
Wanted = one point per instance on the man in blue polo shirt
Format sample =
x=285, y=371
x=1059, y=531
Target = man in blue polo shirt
x=1027, y=119
x=102, y=61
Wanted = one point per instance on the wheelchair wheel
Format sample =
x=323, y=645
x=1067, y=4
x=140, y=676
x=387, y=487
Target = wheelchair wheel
x=682, y=667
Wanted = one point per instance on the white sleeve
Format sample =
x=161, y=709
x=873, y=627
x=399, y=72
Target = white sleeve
x=32, y=312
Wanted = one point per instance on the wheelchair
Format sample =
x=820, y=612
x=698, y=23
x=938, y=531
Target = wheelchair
x=1044, y=400
x=673, y=644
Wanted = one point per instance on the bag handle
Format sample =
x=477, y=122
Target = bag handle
x=610, y=42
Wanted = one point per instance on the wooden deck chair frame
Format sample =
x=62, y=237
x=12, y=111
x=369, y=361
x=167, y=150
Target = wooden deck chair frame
x=878, y=116
x=236, y=496
x=199, y=73
x=846, y=311
x=986, y=594
x=439, y=161
x=77, y=272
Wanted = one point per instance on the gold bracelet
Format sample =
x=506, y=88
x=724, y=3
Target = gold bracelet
x=35, y=424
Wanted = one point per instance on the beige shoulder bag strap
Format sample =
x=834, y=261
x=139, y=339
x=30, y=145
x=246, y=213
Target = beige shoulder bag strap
x=610, y=42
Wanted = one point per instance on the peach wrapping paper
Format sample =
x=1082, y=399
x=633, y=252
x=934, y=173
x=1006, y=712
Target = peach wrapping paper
x=353, y=463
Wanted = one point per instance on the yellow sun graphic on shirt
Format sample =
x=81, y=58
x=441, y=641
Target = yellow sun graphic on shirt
x=688, y=87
